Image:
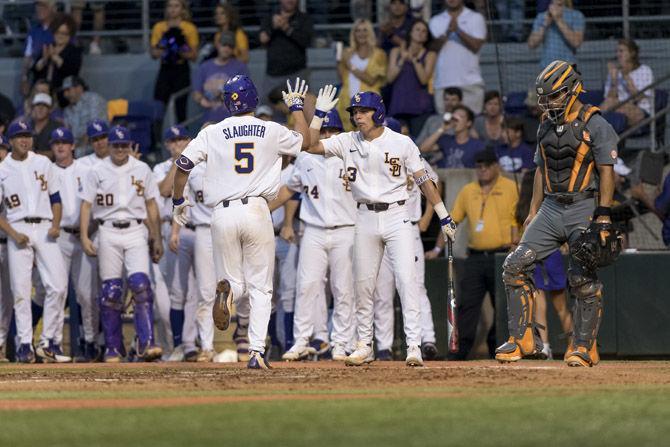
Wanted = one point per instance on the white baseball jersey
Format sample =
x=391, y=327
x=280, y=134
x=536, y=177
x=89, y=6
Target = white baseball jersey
x=414, y=204
x=164, y=203
x=243, y=157
x=72, y=184
x=201, y=214
x=120, y=192
x=25, y=187
x=90, y=160
x=376, y=168
x=326, y=195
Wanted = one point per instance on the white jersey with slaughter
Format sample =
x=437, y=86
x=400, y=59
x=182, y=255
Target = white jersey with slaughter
x=120, y=192
x=379, y=166
x=72, y=184
x=326, y=194
x=243, y=156
x=25, y=187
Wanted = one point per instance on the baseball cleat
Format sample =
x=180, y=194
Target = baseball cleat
x=583, y=357
x=112, y=356
x=51, y=353
x=206, y=356
x=177, y=354
x=362, y=355
x=429, y=350
x=414, y=356
x=150, y=354
x=222, y=305
x=25, y=354
x=256, y=361
x=385, y=355
x=338, y=353
x=298, y=351
x=58, y=353
x=191, y=356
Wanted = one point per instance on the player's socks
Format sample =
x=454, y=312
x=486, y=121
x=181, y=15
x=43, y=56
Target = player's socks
x=177, y=324
x=272, y=329
x=37, y=312
x=288, y=330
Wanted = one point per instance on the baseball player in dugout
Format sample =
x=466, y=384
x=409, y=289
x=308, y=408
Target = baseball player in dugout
x=244, y=159
x=120, y=194
x=29, y=187
x=379, y=158
x=572, y=195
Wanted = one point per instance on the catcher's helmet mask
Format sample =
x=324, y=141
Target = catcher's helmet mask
x=557, y=87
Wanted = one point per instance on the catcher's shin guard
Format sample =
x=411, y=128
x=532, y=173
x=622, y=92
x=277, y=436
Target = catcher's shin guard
x=587, y=316
x=524, y=338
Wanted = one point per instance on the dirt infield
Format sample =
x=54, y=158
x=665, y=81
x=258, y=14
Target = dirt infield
x=183, y=383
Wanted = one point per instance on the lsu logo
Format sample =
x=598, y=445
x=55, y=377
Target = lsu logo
x=43, y=182
x=60, y=133
x=410, y=183
x=119, y=134
x=357, y=98
x=395, y=164
x=234, y=96
x=97, y=127
x=138, y=184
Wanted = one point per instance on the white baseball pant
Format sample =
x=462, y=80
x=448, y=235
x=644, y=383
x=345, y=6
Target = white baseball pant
x=163, y=329
x=119, y=248
x=375, y=232
x=46, y=254
x=385, y=294
x=287, y=272
x=319, y=249
x=6, y=300
x=244, y=253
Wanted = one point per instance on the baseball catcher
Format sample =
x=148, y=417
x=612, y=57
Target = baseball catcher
x=572, y=194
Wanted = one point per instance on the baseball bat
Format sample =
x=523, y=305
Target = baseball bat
x=452, y=327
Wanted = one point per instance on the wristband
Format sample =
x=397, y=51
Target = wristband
x=320, y=113
x=296, y=108
x=177, y=202
x=602, y=211
x=446, y=221
x=441, y=211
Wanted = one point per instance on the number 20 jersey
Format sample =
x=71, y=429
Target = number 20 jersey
x=120, y=192
x=243, y=157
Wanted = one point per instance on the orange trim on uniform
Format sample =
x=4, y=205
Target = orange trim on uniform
x=579, y=159
x=571, y=102
x=553, y=70
x=546, y=172
x=562, y=78
x=587, y=177
x=590, y=111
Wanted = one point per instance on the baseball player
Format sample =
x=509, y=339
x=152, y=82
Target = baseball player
x=6, y=300
x=378, y=157
x=329, y=213
x=29, y=186
x=575, y=155
x=97, y=131
x=72, y=175
x=385, y=288
x=121, y=193
x=176, y=265
x=243, y=156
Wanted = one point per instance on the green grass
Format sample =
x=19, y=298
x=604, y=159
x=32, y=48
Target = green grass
x=636, y=417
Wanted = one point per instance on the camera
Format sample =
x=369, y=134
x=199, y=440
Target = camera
x=447, y=117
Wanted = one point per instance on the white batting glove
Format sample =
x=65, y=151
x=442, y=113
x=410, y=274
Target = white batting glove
x=448, y=228
x=326, y=100
x=295, y=97
x=179, y=210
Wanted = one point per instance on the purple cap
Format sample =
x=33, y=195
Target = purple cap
x=62, y=135
x=97, y=128
x=19, y=127
x=119, y=135
x=175, y=132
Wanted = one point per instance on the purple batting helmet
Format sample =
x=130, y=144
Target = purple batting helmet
x=393, y=124
x=240, y=95
x=369, y=100
x=61, y=135
x=332, y=121
x=119, y=135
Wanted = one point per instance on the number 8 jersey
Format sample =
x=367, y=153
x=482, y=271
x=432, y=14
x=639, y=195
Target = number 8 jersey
x=120, y=192
x=243, y=156
x=25, y=187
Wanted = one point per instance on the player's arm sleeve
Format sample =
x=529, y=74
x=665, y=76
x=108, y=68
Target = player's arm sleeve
x=151, y=190
x=431, y=172
x=413, y=162
x=290, y=141
x=89, y=187
x=195, y=152
x=478, y=28
x=294, y=182
x=335, y=145
x=604, y=140
x=53, y=180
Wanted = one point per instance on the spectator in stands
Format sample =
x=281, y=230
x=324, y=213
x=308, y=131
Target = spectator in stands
x=362, y=66
x=62, y=58
x=410, y=69
x=489, y=126
x=393, y=32
x=531, y=118
x=213, y=74
x=98, y=9
x=515, y=155
x=512, y=10
x=625, y=78
x=38, y=36
x=459, y=150
x=84, y=106
x=175, y=41
x=227, y=20
x=460, y=33
x=42, y=123
x=7, y=111
x=452, y=98
x=286, y=35
x=489, y=205
x=662, y=209
x=560, y=31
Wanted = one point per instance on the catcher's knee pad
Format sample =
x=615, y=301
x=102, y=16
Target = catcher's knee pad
x=524, y=338
x=588, y=309
x=111, y=296
x=140, y=285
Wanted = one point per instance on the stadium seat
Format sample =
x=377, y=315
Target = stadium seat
x=594, y=97
x=617, y=120
x=143, y=119
x=515, y=103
